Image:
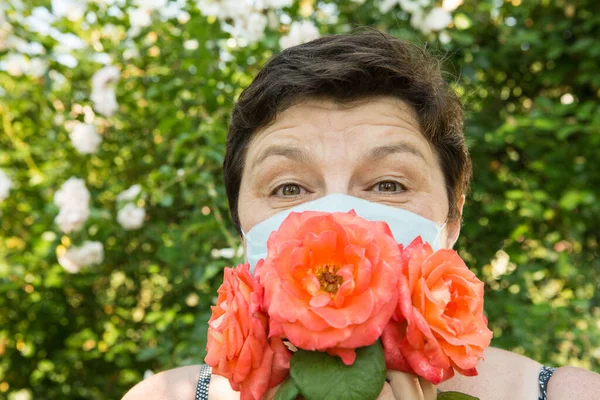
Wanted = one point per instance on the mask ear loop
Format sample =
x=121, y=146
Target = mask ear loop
x=440, y=228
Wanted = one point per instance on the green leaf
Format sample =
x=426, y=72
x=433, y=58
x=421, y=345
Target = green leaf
x=320, y=376
x=287, y=391
x=147, y=353
x=455, y=396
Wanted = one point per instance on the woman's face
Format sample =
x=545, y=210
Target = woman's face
x=374, y=150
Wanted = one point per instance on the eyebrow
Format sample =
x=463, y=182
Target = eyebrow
x=292, y=153
x=372, y=155
x=380, y=152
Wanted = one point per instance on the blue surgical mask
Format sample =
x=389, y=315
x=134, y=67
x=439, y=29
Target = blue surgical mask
x=405, y=225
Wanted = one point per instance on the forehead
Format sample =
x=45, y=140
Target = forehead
x=322, y=123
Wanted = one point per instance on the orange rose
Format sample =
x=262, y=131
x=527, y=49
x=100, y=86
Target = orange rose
x=237, y=344
x=439, y=324
x=330, y=281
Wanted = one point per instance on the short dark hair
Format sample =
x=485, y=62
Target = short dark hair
x=348, y=68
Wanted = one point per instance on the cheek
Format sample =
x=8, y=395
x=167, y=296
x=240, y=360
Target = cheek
x=439, y=206
x=251, y=210
x=432, y=205
x=427, y=207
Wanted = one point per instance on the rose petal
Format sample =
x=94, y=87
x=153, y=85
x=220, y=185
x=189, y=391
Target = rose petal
x=320, y=300
x=356, y=311
x=440, y=312
x=348, y=356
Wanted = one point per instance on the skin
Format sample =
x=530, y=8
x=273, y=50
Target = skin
x=373, y=150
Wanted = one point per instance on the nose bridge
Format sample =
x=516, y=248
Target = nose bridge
x=337, y=173
x=337, y=183
x=337, y=162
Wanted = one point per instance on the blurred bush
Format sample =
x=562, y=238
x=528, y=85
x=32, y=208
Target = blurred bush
x=111, y=275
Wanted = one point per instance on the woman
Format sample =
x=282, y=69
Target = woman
x=368, y=116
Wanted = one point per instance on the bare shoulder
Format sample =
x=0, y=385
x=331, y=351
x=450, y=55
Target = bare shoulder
x=573, y=383
x=503, y=375
x=173, y=384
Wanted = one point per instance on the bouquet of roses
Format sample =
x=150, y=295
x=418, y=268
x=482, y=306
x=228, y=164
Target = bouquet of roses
x=336, y=303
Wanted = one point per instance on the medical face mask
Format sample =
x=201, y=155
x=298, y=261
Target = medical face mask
x=405, y=225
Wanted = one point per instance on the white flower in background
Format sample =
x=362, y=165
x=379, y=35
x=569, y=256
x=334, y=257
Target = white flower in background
x=174, y=9
x=131, y=216
x=72, y=191
x=251, y=27
x=148, y=373
x=5, y=31
x=275, y=3
x=500, y=263
x=183, y=17
x=67, y=42
x=18, y=64
x=227, y=252
x=75, y=258
x=69, y=262
x=130, y=194
x=85, y=139
x=25, y=47
x=417, y=21
x=40, y=21
x=451, y=5
x=65, y=59
x=101, y=58
x=141, y=16
x=436, y=20
x=225, y=9
x=92, y=253
x=245, y=19
x=22, y=394
x=386, y=5
x=71, y=219
x=37, y=67
x=73, y=201
x=138, y=18
x=327, y=13
x=104, y=94
x=300, y=32
x=5, y=185
x=15, y=64
x=131, y=53
x=112, y=32
x=105, y=78
x=72, y=9
x=151, y=4
x=411, y=6
x=191, y=44
x=444, y=37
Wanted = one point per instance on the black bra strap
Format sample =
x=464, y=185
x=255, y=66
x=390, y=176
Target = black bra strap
x=203, y=382
x=544, y=377
x=205, y=374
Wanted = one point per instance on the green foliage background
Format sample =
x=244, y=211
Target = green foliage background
x=534, y=200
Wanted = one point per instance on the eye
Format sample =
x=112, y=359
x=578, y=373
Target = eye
x=389, y=187
x=287, y=190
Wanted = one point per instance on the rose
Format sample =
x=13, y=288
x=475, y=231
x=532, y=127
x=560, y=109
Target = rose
x=330, y=281
x=73, y=200
x=104, y=96
x=131, y=217
x=5, y=185
x=90, y=253
x=85, y=139
x=439, y=325
x=237, y=343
